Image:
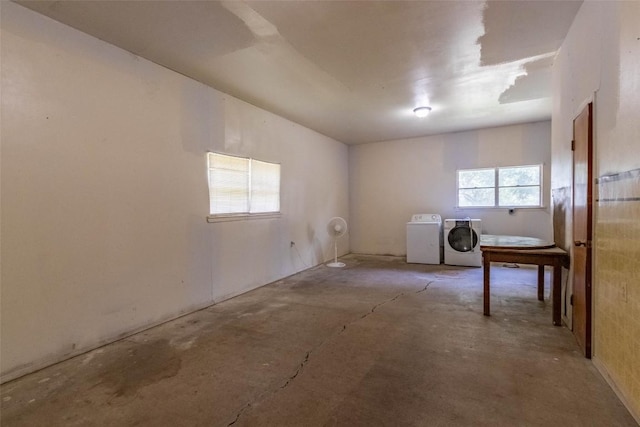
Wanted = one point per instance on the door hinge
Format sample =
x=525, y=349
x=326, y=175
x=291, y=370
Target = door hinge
x=573, y=145
x=571, y=299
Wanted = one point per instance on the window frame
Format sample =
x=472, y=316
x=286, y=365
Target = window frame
x=496, y=188
x=236, y=216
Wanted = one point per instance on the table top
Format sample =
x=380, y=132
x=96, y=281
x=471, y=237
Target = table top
x=513, y=242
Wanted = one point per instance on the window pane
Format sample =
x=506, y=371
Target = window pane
x=476, y=197
x=522, y=175
x=519, y=196
x=242, y=185
x=472, y=178
x=228, y=184
x=221, y=161
x=265, y=187
x=228, y=192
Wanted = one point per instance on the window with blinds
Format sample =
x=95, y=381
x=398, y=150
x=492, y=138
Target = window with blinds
x=239, y=185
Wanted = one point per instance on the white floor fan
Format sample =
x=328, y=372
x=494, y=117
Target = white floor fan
x=337, y=227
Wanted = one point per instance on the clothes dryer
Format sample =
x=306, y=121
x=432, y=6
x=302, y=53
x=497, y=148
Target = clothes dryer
x=424, y=238
x=462, y=242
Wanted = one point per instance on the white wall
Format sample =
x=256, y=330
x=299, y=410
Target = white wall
x=599, y=62
x=390, y=181
x=104, y=194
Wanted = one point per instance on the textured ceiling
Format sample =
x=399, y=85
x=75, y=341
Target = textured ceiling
x=352, y=70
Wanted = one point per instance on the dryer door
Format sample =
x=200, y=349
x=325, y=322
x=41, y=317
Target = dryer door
x=462, y=238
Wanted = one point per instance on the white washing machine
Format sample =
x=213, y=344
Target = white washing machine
x=462, y=242
x=424, y=239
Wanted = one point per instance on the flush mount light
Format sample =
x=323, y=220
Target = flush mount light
x=422, y=111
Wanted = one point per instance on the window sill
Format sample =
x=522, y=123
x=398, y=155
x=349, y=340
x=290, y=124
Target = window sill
x=242, y=217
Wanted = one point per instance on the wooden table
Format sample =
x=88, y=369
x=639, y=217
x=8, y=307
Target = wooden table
x=525, y=250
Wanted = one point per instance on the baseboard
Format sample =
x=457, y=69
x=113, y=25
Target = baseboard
x=45, y=362
x=607, y=377
x=58, y=358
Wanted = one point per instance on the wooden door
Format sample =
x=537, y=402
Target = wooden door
x=582, y=232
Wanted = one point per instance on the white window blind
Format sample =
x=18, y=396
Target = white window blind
x=265, y=187
x=240, y=185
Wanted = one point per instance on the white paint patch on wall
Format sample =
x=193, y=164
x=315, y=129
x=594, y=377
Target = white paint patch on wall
x=390, y=181
x=104, y=194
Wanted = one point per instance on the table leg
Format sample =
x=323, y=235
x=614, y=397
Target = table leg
x=486, y=266
x=556, y=292
x=541, y=283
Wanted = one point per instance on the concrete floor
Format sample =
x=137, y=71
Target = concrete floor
x=378, y=343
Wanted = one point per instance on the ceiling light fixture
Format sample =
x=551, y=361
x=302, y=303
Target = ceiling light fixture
x=422, y=111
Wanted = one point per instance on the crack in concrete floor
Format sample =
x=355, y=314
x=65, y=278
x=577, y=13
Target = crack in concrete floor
x=308, y=354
